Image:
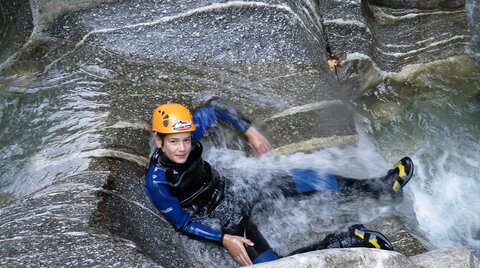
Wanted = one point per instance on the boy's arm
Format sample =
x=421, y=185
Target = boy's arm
x=170, y=207
x=217, y=109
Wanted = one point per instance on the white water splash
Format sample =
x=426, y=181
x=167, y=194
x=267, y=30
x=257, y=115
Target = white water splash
x=446, y=196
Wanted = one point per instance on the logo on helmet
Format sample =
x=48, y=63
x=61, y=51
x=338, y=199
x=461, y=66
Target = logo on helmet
x=182, y=125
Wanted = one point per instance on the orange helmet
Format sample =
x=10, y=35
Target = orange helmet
x=172, y=118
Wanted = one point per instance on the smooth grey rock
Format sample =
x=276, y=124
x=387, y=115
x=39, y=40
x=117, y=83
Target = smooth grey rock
x=393, y=34
x=6, y=199
x=52, y=228
x=403, y=36
x=45, y=12
x=361, y=257
x=359, y=73
x=420, y=4
x=15, y=27
x=312, y=126
x=345, y=29
x=125, y=211
x=347, y=258
x=446, y=258
x=280, y=40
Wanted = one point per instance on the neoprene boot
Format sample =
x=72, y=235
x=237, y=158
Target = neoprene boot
x=392, y=183
x=399, y=176
x=368, y=238
x=356, y=236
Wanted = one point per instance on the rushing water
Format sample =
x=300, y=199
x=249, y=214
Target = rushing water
x=46, y=128
x=53, y=123
x=437, y=121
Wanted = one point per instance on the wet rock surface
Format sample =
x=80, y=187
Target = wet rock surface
x=354, y=257
x=401, y=238
x=421, y=34
x=52, y=227
x=15, y=27
x=124, y=59
x=312, y=126
x=384, y=36
x=267, y=58
x=447, y=257
x=124, y=211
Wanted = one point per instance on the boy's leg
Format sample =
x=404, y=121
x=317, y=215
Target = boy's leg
x=261, y=251
x=356, y=236
x=393, y=182
x=308, y=181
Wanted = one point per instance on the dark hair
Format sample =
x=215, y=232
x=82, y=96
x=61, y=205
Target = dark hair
x=161, y=135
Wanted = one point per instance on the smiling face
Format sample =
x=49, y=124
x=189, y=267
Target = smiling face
x=176, y=146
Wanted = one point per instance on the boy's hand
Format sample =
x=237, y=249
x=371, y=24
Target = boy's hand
x=257, y=141
x=234, y=245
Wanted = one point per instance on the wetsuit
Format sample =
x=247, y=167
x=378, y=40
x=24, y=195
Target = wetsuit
x=184, y=193
x=172, y=187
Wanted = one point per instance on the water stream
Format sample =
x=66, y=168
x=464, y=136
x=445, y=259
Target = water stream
x=53, y=121
x=437, y=121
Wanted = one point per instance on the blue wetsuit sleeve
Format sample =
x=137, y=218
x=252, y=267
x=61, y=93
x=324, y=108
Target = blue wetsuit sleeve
x=215, y=110
x=158, y=192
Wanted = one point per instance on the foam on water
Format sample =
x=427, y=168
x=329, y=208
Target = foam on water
x=436, y=121
x=289, y=223
x=446, y=195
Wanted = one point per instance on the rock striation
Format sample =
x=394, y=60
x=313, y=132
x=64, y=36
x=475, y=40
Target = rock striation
x=383, y=36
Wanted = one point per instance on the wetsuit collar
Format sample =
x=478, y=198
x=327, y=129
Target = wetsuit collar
x=160, y=158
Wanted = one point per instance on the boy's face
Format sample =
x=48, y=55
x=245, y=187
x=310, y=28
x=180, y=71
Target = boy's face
x=176, y=146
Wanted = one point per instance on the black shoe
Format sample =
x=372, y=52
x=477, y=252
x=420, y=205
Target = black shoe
x=356, y=236
x=401, y=173
x=370, y=239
